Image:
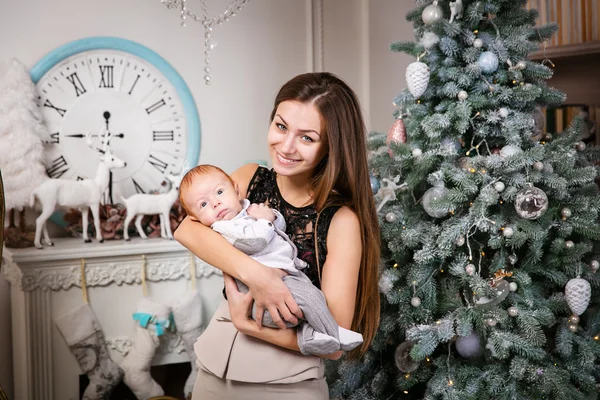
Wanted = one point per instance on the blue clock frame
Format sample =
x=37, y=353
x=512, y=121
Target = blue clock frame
x=114, y=43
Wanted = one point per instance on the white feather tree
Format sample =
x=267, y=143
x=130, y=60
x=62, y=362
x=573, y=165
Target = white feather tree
x=21, y=133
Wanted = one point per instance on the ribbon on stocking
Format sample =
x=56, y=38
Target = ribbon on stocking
x=161, y=325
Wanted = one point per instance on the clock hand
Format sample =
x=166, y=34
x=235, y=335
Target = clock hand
x=106, y=117
x=81, y=135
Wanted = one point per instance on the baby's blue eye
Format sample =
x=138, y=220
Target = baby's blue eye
x=203, y=204
x=220, y=191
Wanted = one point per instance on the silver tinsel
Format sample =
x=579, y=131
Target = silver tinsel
x=209, y=23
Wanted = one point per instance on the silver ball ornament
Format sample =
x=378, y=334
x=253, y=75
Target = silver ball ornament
x=470, y=269
x=491, y=322
x=573, y=328
x=574, y=319
x=478, y=43
x=499, y=186
x=594, y=265
x=488, y=62
x=580, y=146
x=513, y=311
x=513, y=286
x=538, y=166
x=417, y=152
x=521, y=64
x=460, y=241
x=566, y=212
x=508, y=232
x=503, y=112
x=569, y=244
x=469, y=346
x=463, y=95
x=415, y=302
x=432, y=13
x=391, y=217
x=433, y=194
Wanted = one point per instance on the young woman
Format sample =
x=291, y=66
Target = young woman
x=320, y=183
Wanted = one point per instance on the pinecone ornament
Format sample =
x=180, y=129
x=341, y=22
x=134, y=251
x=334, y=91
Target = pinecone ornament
x=417, y=78
x=578, y=293
x=396, y=134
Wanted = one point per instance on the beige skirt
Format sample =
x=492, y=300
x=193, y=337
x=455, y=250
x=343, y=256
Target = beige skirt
x=211, y=387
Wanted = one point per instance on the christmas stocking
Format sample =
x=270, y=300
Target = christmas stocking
x=83, y=334
x=152, y=321
x=187, y=313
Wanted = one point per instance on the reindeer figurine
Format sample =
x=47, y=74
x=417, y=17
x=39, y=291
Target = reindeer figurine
x=139, y=205
x=84, y=194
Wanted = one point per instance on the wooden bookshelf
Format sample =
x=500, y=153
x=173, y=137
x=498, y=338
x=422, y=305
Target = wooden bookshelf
x=570, y=50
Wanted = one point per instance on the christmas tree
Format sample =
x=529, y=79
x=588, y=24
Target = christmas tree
x=490, y=224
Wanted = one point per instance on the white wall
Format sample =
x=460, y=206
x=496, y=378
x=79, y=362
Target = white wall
x=387, y=24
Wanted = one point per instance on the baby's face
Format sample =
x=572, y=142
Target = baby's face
x=211, y=198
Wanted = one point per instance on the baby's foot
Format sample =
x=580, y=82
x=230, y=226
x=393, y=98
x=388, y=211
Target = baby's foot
x=315, y=343
x=349, y=339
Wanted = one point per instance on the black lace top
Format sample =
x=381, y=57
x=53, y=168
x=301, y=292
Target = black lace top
x=299, y=220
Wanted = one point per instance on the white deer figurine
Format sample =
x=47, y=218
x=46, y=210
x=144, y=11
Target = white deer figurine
x=84, y=194
x=139, y=205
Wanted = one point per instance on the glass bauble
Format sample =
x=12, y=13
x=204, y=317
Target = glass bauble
x=531, y=202
x=433, y=194
x=375, y=184
x=432, y=13
x=404, y=362
x=488, y=62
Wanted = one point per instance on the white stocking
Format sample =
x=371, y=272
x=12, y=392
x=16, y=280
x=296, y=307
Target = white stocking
x=187, y=312
x=83, y=334
x=152, y=321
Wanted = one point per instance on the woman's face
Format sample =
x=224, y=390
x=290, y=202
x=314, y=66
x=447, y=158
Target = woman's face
x=297, y=141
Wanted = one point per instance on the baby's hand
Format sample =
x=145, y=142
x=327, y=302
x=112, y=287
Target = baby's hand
x=260, y=211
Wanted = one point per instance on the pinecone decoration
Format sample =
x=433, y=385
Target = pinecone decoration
x=578, y=293
x=417, y=78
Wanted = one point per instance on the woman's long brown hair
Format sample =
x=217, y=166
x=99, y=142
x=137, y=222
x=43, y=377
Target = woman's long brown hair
x=342, y=178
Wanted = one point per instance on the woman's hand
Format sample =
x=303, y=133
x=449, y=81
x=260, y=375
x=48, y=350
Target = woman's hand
x=240, y=304
x=270, y=293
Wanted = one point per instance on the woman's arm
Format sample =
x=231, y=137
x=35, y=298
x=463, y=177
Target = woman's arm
x=339, y=283
x=265, y=284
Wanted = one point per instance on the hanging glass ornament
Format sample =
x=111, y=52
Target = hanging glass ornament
x=578, y=293
x=539, y=123
x=488, y=62
x=375, y=184
x=396, y=134
x=417, y=78
x=433, y=194
x=432, y=13
x=404, y=361
x=531, y=202
x=500, y=291
x=469, y=346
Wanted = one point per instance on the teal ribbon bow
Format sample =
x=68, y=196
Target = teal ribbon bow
x=161, y=325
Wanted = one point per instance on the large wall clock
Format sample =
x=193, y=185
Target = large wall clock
x=107, y=84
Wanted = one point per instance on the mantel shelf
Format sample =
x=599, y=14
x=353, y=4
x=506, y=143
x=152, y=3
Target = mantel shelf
x=570, y=50
x=75, y=248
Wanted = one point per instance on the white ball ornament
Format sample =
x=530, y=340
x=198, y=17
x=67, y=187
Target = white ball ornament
x=578, y=293
x=569, y=244
x=417, y=152
x=460, y=241
x=390, y=217
x=470, y=269
x=488, y=62
x=510, y=150
x=478, y=43
x=417, y=78
x=508, y=232
x=566, y=213
x=574, y=319
x=463, y=95
x=594, y=265
x=573, y=328
x=521, y=64
x=503, y=112
x=415, y=302
x=491, y=322
x=469, y=346
x=580, y=146
x=538, y=166
x=513, y=286
x=513, y=311
x=432, y=13
x=433, y=194
x=499, y=186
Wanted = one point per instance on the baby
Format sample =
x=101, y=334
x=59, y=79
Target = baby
x=210, y=197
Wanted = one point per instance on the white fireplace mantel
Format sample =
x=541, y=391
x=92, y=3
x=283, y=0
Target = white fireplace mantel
x=47, y=283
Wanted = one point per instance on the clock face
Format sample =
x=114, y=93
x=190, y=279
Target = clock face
x=105, y=90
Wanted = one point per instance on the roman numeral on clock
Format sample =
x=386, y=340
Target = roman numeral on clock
x=138, y=188
x=55, y=138
x=49, y=104
x=155, y=106
x=158, y=164
x=74, y=79
x=106, y=80
x=162, y=135
x=58, y=168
